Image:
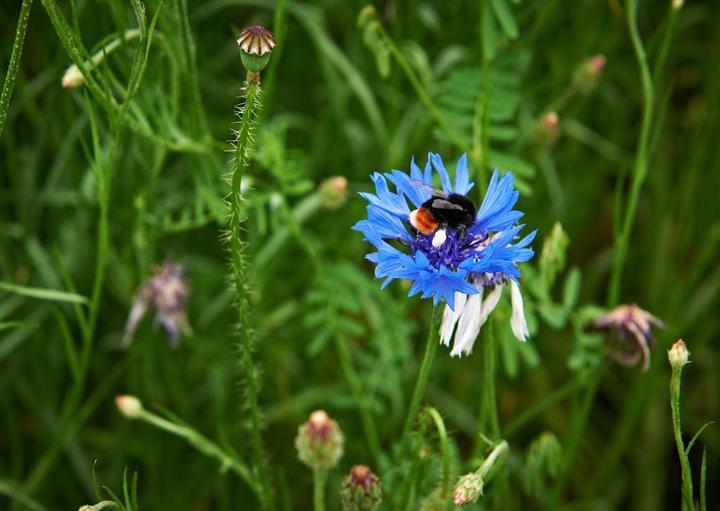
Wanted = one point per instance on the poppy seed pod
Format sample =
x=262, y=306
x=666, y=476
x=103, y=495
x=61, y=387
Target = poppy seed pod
x=256, y=45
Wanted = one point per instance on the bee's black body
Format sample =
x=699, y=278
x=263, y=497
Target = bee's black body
x=452, y=210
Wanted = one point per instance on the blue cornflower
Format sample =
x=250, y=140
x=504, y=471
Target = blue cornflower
x=454, y=265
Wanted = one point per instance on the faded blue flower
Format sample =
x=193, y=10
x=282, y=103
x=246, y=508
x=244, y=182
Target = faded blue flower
x=449, y=264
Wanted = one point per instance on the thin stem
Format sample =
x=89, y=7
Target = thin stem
x=687, y=489
x=202, y=444
x=243, y=143
x=319, y=478
x=14, y=64
x=424, y=373
x=641, y=159
x=489, y=416
x=360, y=399
x=444, y=449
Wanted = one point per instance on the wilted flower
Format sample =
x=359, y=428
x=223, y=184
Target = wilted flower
x=678, y=355
x=167, y=292
x=319, y=441
x=129, y=406
x=633, y=327
x=333, y=192
x=361, y=490
x=587, y=75
x=256, y=44
x=456, y=265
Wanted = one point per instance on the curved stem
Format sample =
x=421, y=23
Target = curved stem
x=424, y=373
x=641, y=159
x=444, y=449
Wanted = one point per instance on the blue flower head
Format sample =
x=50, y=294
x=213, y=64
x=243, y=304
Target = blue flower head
x=448, y=261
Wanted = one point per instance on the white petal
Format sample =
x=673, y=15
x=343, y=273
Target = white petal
x=450, y=317
x=491, y=301
x=468, y=326
x=517, y=321
x=439, y=238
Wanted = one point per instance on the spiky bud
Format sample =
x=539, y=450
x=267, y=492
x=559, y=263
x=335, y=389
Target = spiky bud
x=319, y=441
x=468, y=489
x=256, y=45
x=129, y=406
x=361, y=490
x=333, y=192
x=678, y=355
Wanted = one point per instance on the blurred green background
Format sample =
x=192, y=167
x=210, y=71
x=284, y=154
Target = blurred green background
x=338, y=102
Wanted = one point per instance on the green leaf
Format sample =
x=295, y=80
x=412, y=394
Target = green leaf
x=43, y=294
x=488, y=32
x=571, y=289
x=505, y=17
x=696, y=436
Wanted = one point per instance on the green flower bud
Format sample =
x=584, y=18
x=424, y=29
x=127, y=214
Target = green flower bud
x=678, y=355
x=319, y=442
x=468, y=489
x=361, y=490
x=333, y=192
x=256, y=44
x=587, y=75
x=129, y=406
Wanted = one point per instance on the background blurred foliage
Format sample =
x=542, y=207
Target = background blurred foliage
x=337, y=102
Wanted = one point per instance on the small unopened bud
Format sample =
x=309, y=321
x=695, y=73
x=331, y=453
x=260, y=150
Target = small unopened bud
x=677, y=4
x=256, y=44
x=73, y=78
x=547, y=129
x=678, y=355
x=361, y=490
x=319, y=441
x=129, y=406
x=587, y=75
x=468, y=489
x=333, y=192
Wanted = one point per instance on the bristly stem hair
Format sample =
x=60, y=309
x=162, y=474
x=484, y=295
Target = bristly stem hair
x=248, y=113
x=14, y=64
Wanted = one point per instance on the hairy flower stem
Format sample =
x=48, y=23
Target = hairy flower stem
x=687, y=487
x=14, y=64
x=641, y=158
x=424, y=373
x=488, y=422
x=319, y=479
x=243, y=143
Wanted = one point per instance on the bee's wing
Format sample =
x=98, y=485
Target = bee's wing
x=435, y=192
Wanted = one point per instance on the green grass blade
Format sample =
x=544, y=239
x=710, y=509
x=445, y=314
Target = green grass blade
x=42, y=293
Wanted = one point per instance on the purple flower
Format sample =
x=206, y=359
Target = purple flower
x=167, y=292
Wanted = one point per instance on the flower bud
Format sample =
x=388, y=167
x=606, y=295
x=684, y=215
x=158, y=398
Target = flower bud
x=361, y=490
x=677, y=4
x=256, y=44
x=587, y=75
x=468, y=489
x=333, y=192
x=678, y=355
x=319, y=441
x=129, y=406
x=547, y=129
